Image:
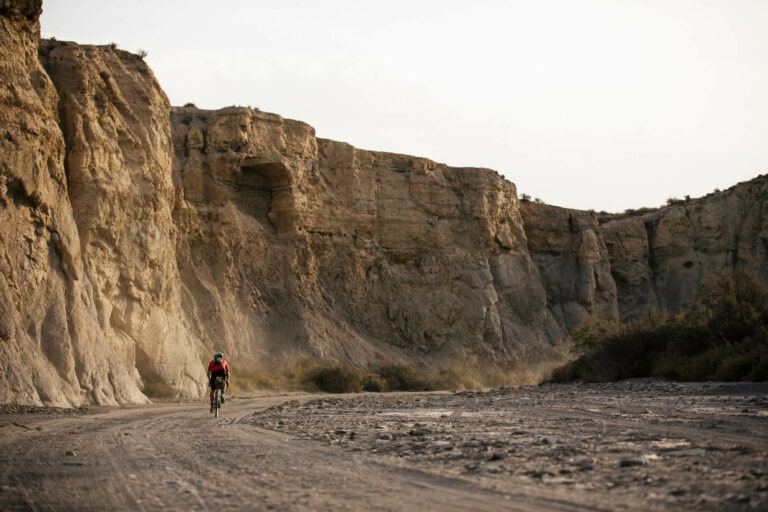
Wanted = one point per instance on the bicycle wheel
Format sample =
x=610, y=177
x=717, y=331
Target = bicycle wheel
x=216, y=403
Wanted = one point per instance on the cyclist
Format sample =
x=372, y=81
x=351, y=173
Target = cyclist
x=218, y=367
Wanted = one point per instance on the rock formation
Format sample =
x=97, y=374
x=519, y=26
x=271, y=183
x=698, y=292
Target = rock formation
x=568, y=248
x=629, y=265
x=661, y=259
x=137, y=238
x=114, y=119
x=293, y=242
x=52, y=348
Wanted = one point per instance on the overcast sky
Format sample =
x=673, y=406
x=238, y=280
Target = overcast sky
x=592, y=104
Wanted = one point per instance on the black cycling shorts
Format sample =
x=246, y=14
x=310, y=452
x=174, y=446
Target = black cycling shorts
x=213, y=378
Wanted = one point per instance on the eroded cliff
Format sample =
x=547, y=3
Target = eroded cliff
x=661, y=259
x=288, y=242
x=626, y=266
x=137, y=238
x=573, y=261
x=52, y=348
x=114, y=119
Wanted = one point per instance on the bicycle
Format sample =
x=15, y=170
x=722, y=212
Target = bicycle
x=218, y=391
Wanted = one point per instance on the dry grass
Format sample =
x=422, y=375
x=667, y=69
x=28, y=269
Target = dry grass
x=291, y=375
x=157, y=388
x=308, y=374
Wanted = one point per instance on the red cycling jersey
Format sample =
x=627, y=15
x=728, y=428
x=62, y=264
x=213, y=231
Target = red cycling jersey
x=214, y=367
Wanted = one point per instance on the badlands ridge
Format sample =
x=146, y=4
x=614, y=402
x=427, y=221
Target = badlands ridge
x=138, y=237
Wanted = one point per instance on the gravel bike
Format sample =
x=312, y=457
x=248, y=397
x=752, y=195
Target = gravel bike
x=218, y=391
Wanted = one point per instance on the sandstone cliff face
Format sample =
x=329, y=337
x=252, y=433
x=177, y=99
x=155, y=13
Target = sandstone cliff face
x=288, y=242
x=438, y=259
x=114, y=117
x=626, y=266
x=137, y=238
x=51, y=347
x=569, y=250
x=661, y=259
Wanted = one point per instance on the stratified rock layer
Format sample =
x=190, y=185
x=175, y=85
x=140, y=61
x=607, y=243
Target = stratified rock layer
x=52, y=348
x=288, y=242
x=137, y=238
x=661, y=259
x=568, y=248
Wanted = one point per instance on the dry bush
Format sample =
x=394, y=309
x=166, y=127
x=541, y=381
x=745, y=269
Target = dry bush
x=400, y=377
x=249, y=380
x=291, y=375
x=592, y=331
x=337, y=379
x=157, y=388
x=724, y=337
x=308, y=374
x=373, y=383
x=479, y=375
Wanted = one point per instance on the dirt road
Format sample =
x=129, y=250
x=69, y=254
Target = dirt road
x=626, y=446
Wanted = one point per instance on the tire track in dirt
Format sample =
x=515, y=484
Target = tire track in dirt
x=173, y=457
x=532, y=449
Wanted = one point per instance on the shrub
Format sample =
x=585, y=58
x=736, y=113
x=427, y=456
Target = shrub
x=725, y=337
x=403, y=378
x=738, y=306
x=373, y=383
x=337, y=379
x=593, y=331
x=248, y=380
x=157, y=388
x=307, y=374
x=733, y=367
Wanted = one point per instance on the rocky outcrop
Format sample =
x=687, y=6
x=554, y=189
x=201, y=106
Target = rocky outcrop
x=288, y=242
x=661, y=259
x=137, y=238
x=570, y=253
x=626, y=266
x=52, y=350
x=114, y=118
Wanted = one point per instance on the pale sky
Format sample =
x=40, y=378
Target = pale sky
x=591, y=104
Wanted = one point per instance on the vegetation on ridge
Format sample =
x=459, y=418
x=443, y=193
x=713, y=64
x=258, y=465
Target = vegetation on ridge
x=723, y=337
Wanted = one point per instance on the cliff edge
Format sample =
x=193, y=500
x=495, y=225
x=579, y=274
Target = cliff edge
x=139, y=237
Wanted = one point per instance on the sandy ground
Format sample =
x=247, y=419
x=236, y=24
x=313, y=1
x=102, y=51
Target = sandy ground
x=627, y=446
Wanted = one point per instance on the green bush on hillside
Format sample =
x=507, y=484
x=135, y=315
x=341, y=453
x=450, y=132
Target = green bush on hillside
x=724, y=338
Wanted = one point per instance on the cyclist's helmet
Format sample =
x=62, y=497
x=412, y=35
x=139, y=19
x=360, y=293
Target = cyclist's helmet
x=218, y=356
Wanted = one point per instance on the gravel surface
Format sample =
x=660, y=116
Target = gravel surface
x=639, y=445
